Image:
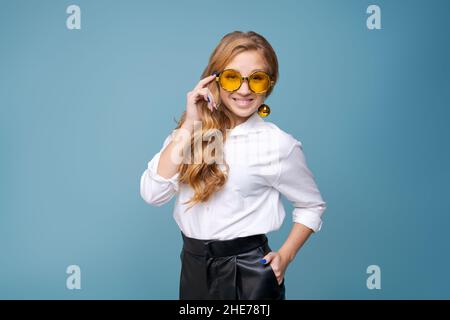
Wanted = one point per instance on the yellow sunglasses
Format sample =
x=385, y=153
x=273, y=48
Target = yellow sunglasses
x=231, y=80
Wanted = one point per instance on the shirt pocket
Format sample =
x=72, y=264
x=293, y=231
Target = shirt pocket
x=247, y=181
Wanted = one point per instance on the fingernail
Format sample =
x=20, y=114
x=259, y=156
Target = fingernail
x=207, y=97
x=263, y=261
x=214, y=73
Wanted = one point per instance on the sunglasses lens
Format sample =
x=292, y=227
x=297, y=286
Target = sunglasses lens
x=259, y=82
x=230, y=80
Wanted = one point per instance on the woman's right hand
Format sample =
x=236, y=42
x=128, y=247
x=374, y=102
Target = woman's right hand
x=200, y=92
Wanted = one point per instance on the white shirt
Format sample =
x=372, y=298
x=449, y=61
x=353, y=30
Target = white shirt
x=264, y=162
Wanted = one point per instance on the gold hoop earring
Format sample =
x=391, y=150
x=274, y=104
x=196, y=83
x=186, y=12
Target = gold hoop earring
x=264, y=110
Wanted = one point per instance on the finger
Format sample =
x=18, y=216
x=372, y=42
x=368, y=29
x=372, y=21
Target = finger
x=267, y=258
x=211, y=96
x=202, y=93
x=202, y=83
x=206, y=98
x=207, y=95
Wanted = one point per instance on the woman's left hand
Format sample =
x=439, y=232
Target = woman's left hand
x=278, y=264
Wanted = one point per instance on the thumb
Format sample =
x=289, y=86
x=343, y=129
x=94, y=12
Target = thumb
x=267, y=258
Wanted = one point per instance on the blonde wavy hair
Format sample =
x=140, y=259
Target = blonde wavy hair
x=204, y=178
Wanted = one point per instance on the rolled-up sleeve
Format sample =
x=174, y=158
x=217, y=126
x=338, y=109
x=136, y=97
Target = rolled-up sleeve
x=155, y=189
x=296, y=182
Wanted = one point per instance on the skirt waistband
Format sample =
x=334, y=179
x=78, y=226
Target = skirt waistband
x=222, y=248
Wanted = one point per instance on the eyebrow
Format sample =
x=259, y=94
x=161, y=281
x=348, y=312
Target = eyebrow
x=259, y=69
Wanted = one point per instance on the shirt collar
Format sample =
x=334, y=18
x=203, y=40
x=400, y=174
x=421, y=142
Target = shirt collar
x=251, y=124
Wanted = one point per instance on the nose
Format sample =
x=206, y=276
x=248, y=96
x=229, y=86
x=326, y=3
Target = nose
x=244, y=89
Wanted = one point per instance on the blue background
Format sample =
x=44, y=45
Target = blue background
x=83, y=111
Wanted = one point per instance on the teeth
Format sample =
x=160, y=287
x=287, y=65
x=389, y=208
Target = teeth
x=243, y=102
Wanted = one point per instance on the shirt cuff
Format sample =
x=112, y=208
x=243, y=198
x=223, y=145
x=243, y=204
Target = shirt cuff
x=309, y=217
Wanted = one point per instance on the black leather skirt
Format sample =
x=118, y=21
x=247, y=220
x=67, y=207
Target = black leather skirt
x=228, y=269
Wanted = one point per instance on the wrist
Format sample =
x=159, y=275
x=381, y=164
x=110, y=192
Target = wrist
x=286, y=255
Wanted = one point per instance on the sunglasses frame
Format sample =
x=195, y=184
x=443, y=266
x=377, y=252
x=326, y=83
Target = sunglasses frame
x=242, y=79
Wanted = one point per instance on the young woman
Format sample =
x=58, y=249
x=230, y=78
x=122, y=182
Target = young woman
x=228, y=167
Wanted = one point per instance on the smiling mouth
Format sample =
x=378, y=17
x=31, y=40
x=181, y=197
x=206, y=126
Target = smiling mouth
x=243, y=102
